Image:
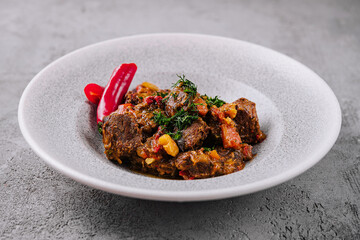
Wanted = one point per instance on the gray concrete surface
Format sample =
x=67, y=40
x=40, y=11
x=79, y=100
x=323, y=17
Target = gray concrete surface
x=39, y=203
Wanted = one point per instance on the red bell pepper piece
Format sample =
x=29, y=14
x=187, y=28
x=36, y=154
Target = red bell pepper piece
x=151, y=99
x=94, y=92
x=186, y=175
x=115, y=90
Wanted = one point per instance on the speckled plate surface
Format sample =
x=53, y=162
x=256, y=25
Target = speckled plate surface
x=297, y=110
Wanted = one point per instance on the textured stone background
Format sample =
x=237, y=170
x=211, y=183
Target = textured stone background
x=323, y=203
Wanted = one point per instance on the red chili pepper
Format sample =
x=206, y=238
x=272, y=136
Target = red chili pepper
x=115, y=90
x=93, y=92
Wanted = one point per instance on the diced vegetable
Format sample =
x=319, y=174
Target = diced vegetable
x=229, y=110
x=201, y=106
x=214, y=154
x=169, y=145
x=149, y=161
x=150, y=86
x=230, y=137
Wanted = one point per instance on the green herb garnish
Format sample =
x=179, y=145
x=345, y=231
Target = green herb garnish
x=161, y=94
x=188, y=86
x=181, y=120
x=213, y=101
x=100, y=124
x=174, y=95
x=176, y=135
x=161, y=119
x=207, y=149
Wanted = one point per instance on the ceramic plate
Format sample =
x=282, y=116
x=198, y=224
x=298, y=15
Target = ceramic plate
x=297, y=110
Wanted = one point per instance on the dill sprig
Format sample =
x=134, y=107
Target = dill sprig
x=188, y=86
x=208, y=149
x=180, y=121
x=213, y=101
x=161, y=94
x=176, y=135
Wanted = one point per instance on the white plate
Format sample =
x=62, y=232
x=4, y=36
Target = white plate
x=297, y=110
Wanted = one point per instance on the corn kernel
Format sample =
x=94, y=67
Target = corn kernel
x=228, y=121
x=169, y=145
x=149, y=161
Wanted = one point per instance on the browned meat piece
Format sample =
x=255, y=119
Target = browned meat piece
x=160, y=167
x=194, y=136
x=200, y=164
x=151, y=149
x=247, y=122
x=214, y=137
x=152, y=158
x=176, y=100
x=133, y=98
x=144, y=115
x=121, y=136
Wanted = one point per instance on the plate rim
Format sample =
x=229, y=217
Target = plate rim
x=179, y=196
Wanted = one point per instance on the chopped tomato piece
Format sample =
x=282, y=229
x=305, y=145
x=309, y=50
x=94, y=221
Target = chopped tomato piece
x=230, y=137
x=201, y=106
x=220, y=115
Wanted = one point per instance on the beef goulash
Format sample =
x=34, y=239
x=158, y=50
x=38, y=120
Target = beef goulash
x=179, y=133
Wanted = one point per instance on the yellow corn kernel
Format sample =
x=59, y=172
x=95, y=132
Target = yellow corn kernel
x=169, y=145
x=214, y=154
x=228, y=121
x=150, y=86
x=149, y=161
